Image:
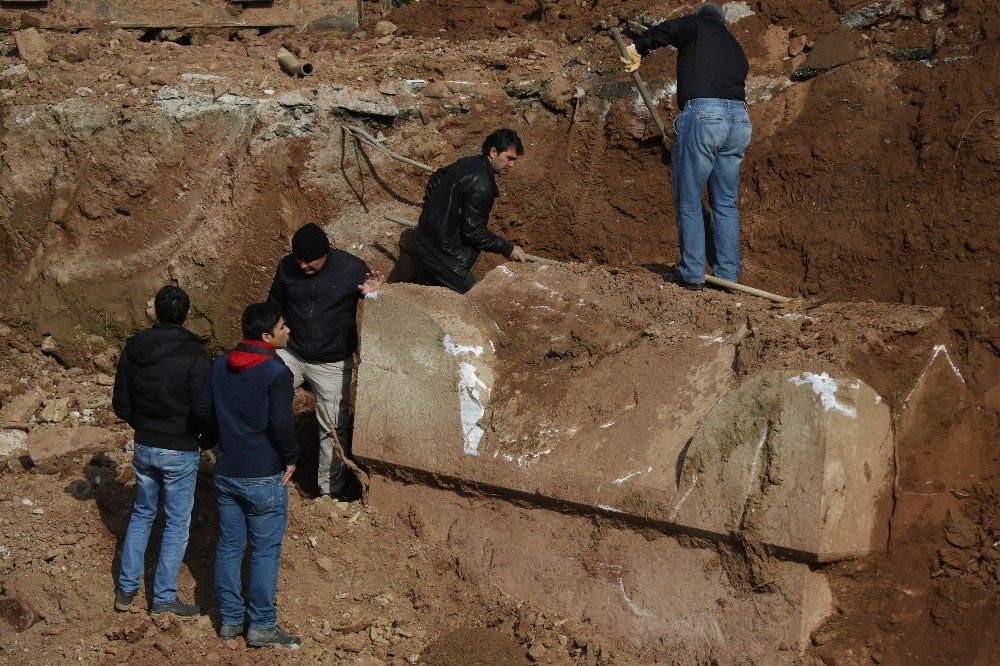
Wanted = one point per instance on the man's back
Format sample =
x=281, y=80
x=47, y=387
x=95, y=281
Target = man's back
x=159, y=373
x=710, y=61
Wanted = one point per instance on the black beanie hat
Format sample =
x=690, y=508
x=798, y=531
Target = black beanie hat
x=310, y=243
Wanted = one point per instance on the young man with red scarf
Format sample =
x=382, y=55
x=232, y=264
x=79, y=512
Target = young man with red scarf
x=249, y=395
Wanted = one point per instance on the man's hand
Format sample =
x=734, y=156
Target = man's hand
x=372, y=282
x=289, y=470
x=517, y=254
x=631, y=59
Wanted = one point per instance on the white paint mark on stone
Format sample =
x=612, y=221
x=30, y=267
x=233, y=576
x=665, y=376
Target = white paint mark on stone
x=825, y=387
x=470, y=404
x=524, y=461
x=937, y=349
x=455, y=349
x=756, y=461
x=607, y=507
x=711, y=338
x=941, y=348
x=628, y=476
x=503, y=268
x=632, y=606
x=371, y=296
x=606, y=425
x=680, y=503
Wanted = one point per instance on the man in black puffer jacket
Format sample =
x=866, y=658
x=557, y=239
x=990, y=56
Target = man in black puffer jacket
x=159, y=374
x=457, y=204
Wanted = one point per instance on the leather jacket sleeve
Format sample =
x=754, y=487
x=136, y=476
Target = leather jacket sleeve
x=477, y=204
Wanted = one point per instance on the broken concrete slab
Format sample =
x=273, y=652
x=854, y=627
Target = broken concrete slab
x=830, y=51
x=800, y=461
x=47, y=445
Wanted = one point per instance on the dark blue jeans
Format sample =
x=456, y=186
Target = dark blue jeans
x=258, y=508
x=172, y=473
x=712, y=136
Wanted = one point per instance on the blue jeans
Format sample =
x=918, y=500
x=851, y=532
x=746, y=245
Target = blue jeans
x=258, y=507
x=174, y=474
x=712, y=136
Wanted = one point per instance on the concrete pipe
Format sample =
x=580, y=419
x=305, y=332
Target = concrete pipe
x=293, y=65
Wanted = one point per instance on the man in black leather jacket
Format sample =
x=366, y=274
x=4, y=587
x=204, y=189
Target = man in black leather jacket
x=317, y=287
x=457, y=205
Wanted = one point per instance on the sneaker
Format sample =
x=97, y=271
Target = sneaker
x=230, y=631
x=177, y=608
x=270, y=637
x=123, y=600
x=690, y=286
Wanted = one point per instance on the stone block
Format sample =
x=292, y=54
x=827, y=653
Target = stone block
x=800, y=461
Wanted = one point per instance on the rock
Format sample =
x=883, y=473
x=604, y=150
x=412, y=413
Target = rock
x=131, y=630
x=47, y=445
x=13, y=75
x=56, y=410
x=334, y=98
x=49, y=345
x=916, y=53
x=133, y=71
x=325, y=563
x=557, y=94
x=368, y=660
x=931, y=10
x=536, y=652
x=869, y=15
x=954, y=558
x=103, y=379
x=11, y=441
x=830, y=51
x=355, y=642
x=384, y=28
x=523, y=89
x=436, y=90
x=71, y=49
x=31, y=46
x=18, y=613
x=387, y=87
x=959, y=531
x=823, y=637
x=797, y=45
x=29, y=20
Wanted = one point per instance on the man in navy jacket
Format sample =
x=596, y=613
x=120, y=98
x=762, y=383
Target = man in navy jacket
x=249, y=394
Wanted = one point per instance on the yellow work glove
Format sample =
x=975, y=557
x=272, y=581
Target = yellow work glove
x=631, y=59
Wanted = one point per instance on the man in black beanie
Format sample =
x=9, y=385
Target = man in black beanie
x=318, y=288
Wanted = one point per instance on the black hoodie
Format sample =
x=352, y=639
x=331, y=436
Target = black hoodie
x=159, y=374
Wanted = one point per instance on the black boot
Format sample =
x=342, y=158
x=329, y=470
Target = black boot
x=272, y=636
x=177, y=608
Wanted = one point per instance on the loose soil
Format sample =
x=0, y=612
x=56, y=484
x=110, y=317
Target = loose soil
x=875, y=181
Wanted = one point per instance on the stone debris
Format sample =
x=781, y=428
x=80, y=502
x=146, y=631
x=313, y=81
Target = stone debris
x=31, y=46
